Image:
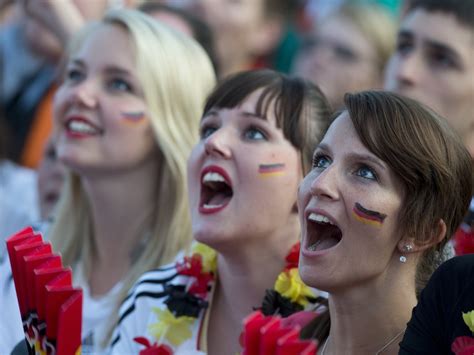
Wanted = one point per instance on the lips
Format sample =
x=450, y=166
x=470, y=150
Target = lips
x=80, y=127
x=216, y=190
x=322, y=232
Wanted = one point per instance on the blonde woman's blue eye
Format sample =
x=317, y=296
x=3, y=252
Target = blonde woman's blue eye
x=254, y=134
x=366, y=173
x=120, y=85
x=74, y=75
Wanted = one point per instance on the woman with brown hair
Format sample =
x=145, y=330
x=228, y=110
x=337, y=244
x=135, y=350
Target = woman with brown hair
x=258, y=131
x=390, y=184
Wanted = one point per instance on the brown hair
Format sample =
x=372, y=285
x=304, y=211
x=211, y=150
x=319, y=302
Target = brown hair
x=301, y=110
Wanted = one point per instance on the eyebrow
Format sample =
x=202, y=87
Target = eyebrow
x=215, y=112
x=109, y=69
x=434, y=44
x=356, y=156
x=254, y=115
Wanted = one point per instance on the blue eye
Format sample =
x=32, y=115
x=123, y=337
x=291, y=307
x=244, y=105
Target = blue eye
x=206, y=131
x=118, y=84
x=321, y=162
x=254, y=134
x=366, y=173
x=74, y=75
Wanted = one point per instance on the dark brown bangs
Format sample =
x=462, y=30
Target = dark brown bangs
x=285, y=93
x=234, y=89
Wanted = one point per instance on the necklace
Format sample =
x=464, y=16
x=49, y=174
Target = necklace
x=378, y=351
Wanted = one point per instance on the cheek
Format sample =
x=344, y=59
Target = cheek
x=59, y=101
x=193, y=172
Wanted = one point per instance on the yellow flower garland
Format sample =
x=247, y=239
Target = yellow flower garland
x=174, y=329
x=290, y=285
x=469, y=320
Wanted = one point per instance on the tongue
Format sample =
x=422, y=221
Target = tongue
x=326, y=243
x=218, y=199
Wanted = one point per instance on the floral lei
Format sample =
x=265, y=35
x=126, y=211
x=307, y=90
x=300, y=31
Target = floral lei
x=184, y=303
x=464, y=345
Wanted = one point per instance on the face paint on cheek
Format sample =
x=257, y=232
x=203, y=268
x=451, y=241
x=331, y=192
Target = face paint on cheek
x=133, y=117
x=366, y=216
x=267, y=170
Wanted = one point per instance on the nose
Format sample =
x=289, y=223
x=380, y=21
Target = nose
x=218, y=144
x=407, y=69
x=84, y=94
x=325, y=184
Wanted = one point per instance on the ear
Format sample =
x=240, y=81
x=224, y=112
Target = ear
x=410, y=244
x=267, y=36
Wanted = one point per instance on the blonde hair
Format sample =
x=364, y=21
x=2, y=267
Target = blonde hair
x=376, y=24
x=176, y=75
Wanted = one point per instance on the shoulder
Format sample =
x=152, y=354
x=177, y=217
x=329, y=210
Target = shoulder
x=458, y=271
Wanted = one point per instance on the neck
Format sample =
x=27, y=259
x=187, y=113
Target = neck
x=122, y=205
x=381, y=309
x=244, y=273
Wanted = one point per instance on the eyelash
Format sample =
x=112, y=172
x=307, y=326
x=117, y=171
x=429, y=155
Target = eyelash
x=73, y=75
x=203, y=132
x=372, y=171
x=316, y=158
x=114, y=81
x=255, y=129
x=209, y=128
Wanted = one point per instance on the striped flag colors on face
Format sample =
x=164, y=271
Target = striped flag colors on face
x=366, y=216
x=133, y=117
x=266, y=170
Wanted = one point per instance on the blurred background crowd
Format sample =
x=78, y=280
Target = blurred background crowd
x=344, y=45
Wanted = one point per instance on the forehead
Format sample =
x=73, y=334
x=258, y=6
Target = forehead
x=439, y=27
x=342, y=30
x=107, y=43
x=342, y=134
x=249, y=107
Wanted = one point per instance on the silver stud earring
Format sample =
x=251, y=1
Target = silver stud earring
x=407, y=248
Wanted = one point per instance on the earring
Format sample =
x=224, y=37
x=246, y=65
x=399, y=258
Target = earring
x=407, y=248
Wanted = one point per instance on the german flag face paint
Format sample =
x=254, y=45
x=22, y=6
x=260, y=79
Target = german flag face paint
x=267, y=170
x=366, y=216
x=133, y=117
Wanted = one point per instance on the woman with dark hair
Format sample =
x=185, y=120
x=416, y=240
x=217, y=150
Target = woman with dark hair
x=443, y=320
x=258, y=131
x=390, y=183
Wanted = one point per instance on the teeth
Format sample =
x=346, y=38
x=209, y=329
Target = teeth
x=211, y=206
x=81, y=127
x=318, y=218
x=212, y=177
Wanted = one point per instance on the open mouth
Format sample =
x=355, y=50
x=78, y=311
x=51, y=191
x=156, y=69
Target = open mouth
x=80, y=126
x=216, y=190
x=321, y=233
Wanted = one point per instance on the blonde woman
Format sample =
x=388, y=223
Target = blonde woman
x=348, y=50
x=126, y=117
